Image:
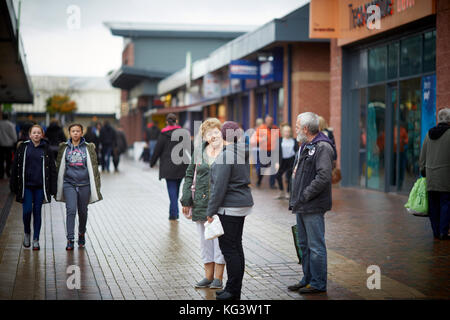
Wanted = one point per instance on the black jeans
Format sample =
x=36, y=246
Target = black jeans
x=5, y=157
x=231, y=246
x=285, y=168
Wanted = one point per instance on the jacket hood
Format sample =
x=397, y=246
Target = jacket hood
x=322, y=137
x=170, y=128
x=436, y=132
x=43, y=142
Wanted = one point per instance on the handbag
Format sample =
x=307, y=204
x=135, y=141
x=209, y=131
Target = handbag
x=418, y=199
x=194, y=180
x=214, y=229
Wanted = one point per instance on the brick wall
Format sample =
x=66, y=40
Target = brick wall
x=128, y=55
x=336, y=93
x=442, y=54
x=310, y=79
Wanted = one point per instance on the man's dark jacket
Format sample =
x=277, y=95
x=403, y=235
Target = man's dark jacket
x=311, y=187
x=107, y=136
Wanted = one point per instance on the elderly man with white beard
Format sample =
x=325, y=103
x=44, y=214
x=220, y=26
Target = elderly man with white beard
x=310, y=199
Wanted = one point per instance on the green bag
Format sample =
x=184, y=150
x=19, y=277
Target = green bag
x=418, y=198
x=297, y=246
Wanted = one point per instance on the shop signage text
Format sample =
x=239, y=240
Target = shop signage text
x=243, y=69
x=360, y=16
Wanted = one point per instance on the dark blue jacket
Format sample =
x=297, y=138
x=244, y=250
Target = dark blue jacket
x=311, y=185
x=33, y=165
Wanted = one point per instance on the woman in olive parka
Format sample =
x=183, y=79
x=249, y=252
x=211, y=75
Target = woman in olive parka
x=197, y=175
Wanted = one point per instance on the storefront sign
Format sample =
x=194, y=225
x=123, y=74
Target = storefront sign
x=211, y=86
x=243, y=69
x=272, y=70
x=428, y=105
x=348, y=20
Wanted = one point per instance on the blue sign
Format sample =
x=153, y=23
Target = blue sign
x=428, y=105
x=243, y=69
x=272, y=70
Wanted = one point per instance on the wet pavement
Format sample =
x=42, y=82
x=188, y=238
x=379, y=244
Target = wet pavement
x=134, y=252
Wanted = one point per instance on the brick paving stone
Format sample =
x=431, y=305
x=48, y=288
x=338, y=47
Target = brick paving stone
x=134, y=252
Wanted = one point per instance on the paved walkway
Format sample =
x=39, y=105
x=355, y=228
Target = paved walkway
x=134, y=252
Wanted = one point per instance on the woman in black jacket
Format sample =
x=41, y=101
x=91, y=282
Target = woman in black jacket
x=288, y=147
x=171, y=169
x=33, y=180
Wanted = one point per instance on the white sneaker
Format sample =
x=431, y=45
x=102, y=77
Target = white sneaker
x=26, y=240
x=36, y=245
x=281, y=196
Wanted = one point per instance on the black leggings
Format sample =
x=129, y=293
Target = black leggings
x=285, y=168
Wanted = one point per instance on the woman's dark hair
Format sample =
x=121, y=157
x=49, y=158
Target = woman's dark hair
x=76, y=125
x=171, y=119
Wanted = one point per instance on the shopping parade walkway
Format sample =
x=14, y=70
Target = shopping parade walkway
x=134, y=252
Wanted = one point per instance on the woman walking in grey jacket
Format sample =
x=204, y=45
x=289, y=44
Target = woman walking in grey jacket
x=196, y=195
x=231, y=198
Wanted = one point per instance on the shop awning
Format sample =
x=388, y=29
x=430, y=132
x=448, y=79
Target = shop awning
x=15, y=83
x=128, y=77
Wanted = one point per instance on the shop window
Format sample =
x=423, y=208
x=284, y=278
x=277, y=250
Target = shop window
x=375, y=137
x=429, y=51
x=411, y=56
x=393, y=60
x=377, y=64
x=281, y=106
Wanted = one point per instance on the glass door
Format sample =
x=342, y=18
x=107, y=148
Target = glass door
x=391, y=152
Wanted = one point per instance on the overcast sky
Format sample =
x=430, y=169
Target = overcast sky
x=53, y=48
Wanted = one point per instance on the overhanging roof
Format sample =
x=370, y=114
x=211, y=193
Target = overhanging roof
x=127, y=77
x=294, y=27
x=15, y=83
x=158, y=30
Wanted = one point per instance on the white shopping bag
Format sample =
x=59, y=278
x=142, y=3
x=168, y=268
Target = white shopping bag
x=214, y=229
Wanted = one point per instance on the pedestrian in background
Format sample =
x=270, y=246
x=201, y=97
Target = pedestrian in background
x=323, y=127
x=197, y=177
x=310, y=199
x=55, y=135
x=107, y=141
x=120, y=146
x=33, y=181
x=152, y=134
x=231, y=199
x=8, y=139
x=266, y=138
x=172, y=172
x=288, y=147
x=435, y=166
x=78, y=182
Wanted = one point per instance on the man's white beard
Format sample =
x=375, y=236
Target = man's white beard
x=302, y=138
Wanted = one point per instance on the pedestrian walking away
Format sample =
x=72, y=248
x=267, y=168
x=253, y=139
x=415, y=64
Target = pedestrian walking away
x=231, y=199
x=55, y=135
x=120, y=147
x=8, y=140
x=287, y=147
x=196, y=195
x=152, y=133
x=33, y=180
x=435, y=167
x=107, y=141
x=310, y=199
x=168, y=169
x=78, y=182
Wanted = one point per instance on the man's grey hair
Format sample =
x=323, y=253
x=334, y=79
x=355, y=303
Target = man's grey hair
x=444, y=115
x=310, y=120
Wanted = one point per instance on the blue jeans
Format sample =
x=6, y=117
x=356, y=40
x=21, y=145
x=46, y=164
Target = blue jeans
x=151, y=147
x=173, y=188
x=106, y=157
x=311, y=236
x=439, y=212
x=32, y=204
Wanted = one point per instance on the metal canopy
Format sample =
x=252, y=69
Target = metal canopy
x=128, y=77
x=15, y=84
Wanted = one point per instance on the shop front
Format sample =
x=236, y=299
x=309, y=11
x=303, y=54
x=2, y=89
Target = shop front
x=388, y=105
